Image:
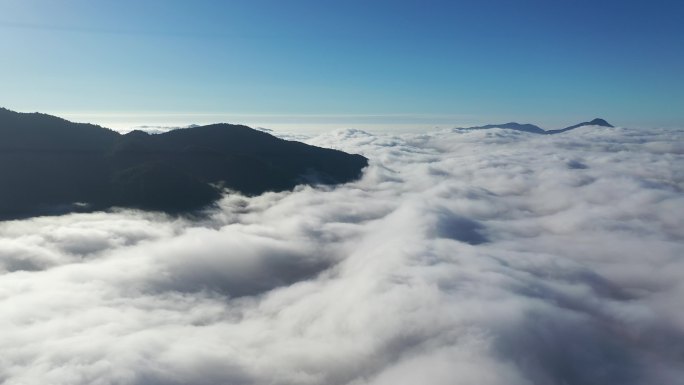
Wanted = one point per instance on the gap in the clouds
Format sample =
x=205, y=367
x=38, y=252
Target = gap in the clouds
x=459, y=228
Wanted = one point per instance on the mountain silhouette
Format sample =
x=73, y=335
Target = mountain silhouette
x=49, y=165
x=595, y=122
x=512, y=126
x=538, y=130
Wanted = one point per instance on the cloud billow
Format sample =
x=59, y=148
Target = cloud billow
x=489, y=257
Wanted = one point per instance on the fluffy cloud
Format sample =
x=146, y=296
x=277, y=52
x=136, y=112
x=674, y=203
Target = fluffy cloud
x=488, y=257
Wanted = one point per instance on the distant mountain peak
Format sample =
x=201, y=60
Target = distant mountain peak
x=596, y=122
x=531, y=128
x=600, y=122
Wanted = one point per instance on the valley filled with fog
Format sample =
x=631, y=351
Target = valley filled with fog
x=461, y=256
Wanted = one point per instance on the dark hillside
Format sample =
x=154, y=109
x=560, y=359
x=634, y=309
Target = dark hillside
x=50, y=165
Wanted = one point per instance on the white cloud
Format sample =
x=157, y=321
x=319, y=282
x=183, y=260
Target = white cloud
x=489, y=257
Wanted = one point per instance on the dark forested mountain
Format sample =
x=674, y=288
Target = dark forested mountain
x=538, y=130
x=50, y=165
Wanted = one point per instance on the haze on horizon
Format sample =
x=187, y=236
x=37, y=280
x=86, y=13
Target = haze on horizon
x=411, y=64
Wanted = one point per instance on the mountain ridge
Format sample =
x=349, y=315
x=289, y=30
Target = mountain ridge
x=531, y=128
x=48, y=165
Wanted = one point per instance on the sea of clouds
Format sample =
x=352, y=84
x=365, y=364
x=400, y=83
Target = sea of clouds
x=461, y=257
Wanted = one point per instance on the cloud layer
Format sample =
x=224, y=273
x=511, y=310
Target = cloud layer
x=488, y=257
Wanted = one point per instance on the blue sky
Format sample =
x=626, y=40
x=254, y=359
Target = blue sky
x=355, y=63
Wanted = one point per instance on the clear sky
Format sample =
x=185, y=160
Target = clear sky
x=355, y=63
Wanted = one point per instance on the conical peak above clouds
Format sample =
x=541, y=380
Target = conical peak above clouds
x=599, y=122
x=596, y=122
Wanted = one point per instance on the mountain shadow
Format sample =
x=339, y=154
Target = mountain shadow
x=49, y=165
x=531, y=128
